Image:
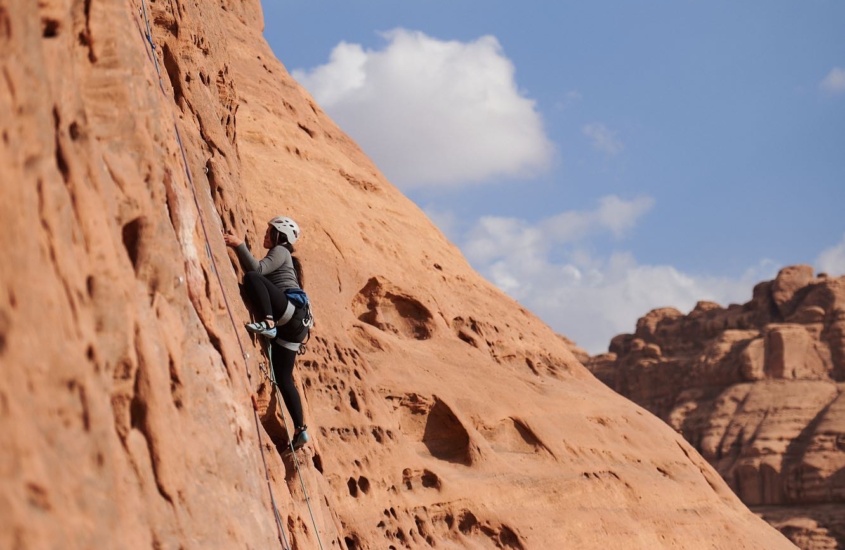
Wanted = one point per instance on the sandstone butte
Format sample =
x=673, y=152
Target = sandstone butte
x=443, y=414
x=757, y=389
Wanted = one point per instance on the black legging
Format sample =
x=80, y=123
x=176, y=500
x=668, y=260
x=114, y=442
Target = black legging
x=269, y=298
x=283, y=361
x=272, y=302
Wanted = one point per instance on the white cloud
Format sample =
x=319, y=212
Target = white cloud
x=832, y=260
x=610, y=295
x=570, y=98
x=834, y=82
x=603, y=138
x=495, y=238
x=433, y=112
x=591, y=299
x=344, y=75
x=619, y=216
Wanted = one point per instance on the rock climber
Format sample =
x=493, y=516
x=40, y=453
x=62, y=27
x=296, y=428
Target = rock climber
x=268, y=283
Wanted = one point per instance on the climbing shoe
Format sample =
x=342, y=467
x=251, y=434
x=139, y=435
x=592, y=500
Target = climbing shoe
x=262, y=328
x=300, y=438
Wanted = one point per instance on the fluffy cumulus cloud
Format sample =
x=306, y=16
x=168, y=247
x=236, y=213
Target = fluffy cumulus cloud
x=495, y=239
x=832, y=260
x=834, y=82
x=433, y=112
x=547, y=267
x=605, y=297
x=603, y=138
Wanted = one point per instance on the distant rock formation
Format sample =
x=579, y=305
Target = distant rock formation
x=758, y=390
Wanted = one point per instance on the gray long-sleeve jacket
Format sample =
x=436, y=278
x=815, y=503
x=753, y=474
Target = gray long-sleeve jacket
x=277, y=265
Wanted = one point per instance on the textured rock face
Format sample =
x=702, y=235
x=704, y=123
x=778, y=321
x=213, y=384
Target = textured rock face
x=758, y=390
x=442, y=413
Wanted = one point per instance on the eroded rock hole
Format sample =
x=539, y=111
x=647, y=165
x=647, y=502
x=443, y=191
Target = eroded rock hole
x=468, y=339
x=430, y=480
x=171, y=65
x=445, y=436
x=49, y=28
x=61, y=158
x=131, y=237
x=215, y=340
x=364, y=484
x=175, y=384
x=387, y=309
x=467, y=521
x=4, y=329
x=306, y=129
x=509, y=538
x=137, y=413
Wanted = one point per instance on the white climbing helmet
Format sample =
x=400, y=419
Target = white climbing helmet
x=286, y=227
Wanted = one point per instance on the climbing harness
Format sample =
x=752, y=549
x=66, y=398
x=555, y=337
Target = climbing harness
x=293, y=346
x=297, y=299
x=287, y=315
x=298, y=347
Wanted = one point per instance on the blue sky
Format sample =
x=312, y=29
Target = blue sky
x=596, y=160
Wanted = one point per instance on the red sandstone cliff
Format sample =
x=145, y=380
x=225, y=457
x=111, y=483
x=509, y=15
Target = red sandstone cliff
x=443, y=414
x=758, y=390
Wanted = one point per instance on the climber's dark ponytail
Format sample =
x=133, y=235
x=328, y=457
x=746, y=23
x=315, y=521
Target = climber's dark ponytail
x=297, y=266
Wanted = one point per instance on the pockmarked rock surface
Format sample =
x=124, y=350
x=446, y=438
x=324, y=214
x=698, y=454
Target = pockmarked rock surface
x=757, y=389
x=133, y=407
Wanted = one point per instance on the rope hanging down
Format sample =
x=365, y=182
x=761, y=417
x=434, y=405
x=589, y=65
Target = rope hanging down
x=281, y=531
x=280, y=400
